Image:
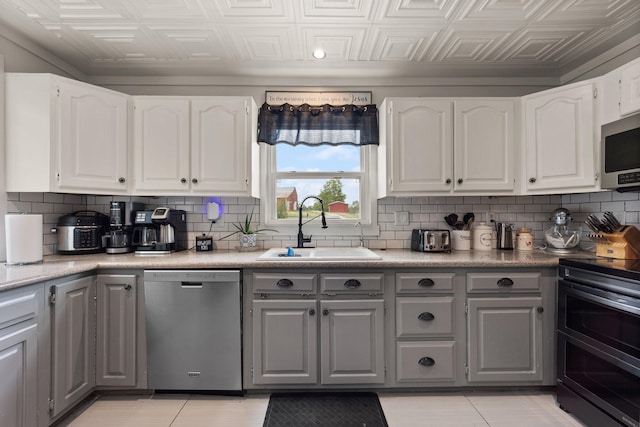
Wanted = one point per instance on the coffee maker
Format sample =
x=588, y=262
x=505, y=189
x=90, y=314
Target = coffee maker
x=159, y=231
x=118, y=237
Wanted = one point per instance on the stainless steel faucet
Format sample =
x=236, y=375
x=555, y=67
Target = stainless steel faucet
x=301, y=238
x=361, y=234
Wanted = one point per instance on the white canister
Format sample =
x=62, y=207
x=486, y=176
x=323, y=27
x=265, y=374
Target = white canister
x=482, y=237
x=524, y=240
x=461, y=240
x=23, y=238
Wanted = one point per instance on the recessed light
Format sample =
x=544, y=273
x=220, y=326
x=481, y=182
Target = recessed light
x=319, y=53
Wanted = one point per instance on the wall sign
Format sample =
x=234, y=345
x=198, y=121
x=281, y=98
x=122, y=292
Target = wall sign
x=318, y=98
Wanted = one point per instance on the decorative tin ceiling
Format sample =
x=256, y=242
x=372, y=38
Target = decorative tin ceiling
x=370, y=38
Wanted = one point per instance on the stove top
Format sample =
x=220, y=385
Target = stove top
x=627, y=268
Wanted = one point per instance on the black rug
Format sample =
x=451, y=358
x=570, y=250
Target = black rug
x=324, y=410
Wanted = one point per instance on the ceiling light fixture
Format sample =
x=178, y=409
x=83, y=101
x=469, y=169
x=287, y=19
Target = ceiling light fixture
x=319, y=53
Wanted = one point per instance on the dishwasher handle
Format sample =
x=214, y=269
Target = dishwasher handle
x=191, y=285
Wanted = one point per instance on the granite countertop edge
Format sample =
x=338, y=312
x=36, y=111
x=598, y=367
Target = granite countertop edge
x=57, y=266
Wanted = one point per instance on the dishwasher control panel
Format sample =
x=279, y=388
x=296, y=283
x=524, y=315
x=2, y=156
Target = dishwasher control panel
x=191, y=275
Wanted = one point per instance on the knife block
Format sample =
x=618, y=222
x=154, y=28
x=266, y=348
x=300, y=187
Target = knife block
x=624, y=244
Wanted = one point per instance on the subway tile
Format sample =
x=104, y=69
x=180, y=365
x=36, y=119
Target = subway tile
x=604, y=196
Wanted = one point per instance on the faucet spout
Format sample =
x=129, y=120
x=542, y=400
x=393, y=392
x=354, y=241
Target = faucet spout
x=301, y=237
x=361, y=234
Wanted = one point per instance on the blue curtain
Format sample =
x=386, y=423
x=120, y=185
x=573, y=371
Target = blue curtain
x=315, y=125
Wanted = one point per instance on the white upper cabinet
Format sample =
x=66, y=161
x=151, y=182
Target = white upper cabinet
x=65, y=136
x=484, y=145
x=200, y=145
x=630, y=88
x=435, y=146
x=560, y=139
x=621, y=92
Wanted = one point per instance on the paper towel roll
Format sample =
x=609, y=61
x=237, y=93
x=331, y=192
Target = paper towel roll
x=24, y=238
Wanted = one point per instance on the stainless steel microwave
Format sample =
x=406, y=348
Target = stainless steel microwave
x=621, y=154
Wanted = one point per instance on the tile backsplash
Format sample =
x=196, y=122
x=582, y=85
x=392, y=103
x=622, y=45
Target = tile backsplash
x=424, y=212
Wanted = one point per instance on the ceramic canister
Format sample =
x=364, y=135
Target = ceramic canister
x=482, y=237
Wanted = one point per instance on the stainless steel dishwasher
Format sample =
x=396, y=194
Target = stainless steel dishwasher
x=193, y=326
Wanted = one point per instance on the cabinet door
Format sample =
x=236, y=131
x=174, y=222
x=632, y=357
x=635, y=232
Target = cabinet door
x=630, y=88
x=161, y=144
x=73, y=342
x=560, y=139
x=420, y=146
x=116, y=330
x=93, y=138
x=484, y=144
x=220, y=144
x=505, y=339
x=285, y=342
x=352, y=342
x=18, y=368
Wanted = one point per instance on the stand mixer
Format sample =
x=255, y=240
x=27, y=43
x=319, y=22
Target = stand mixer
x=560, y=238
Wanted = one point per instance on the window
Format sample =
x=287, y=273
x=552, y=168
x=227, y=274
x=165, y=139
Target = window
x=327, y=152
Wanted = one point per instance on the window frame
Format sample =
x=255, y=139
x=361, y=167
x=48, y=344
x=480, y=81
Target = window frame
x=347, y=227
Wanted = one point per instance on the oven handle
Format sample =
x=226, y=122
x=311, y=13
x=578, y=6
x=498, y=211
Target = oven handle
x=602, y=297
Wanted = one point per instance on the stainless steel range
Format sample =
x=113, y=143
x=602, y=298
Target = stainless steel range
x=599, y=341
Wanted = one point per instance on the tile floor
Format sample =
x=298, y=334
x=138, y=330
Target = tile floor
x=495, y=409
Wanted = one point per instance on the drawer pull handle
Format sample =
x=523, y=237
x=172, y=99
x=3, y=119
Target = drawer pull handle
x=352, y=284
x=426, y=283
x=426, y=361
x=426, y=316
x=284, y=283
x=505, y=282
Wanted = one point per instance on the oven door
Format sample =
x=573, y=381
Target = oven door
x=599, y=349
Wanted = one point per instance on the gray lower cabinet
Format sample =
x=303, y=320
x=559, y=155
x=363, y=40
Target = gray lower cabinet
x=309, y=335
x=352, y=342
x=510, y=326
x=116, y=324
x=19, y=311
x=285, y=342
x=73, y=342
x=505, y=339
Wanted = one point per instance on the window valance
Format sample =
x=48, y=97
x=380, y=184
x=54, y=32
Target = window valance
x=315, y=125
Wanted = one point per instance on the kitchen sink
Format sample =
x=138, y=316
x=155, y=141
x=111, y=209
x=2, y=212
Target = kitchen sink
x=319, y=254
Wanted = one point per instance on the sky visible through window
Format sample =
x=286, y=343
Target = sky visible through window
x=324, y=158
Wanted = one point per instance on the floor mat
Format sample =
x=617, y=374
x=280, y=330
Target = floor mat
x=324, y=410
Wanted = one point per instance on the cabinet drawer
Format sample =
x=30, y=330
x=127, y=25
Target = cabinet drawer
x=351, y=283
x=426, y=361
x=503, y=282
x=424, y=316
x=284, y=283
x=424, y=282
x=17, y=306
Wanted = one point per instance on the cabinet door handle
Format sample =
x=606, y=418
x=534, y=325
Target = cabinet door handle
x=540, y=309
x=122, y=180
x=194, y=180
x=460, y=181
x=183, y=180
x=532, y=180
x=448, y=181
x=426, y=316
x=127, y=287
x=426, y=361
x=426, y=283
x=352, y=284
x=284, y=283
x=325, y=312
x=505, y=282
x=312, y=312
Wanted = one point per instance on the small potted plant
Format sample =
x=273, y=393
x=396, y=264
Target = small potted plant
x=247, y=235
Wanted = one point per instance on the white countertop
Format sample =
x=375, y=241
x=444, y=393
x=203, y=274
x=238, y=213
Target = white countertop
x=56, y=266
